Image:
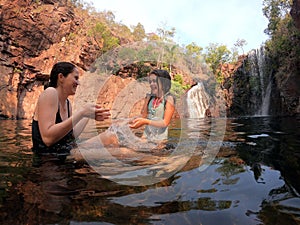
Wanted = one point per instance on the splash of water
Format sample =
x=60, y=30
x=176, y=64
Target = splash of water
x=127, y=138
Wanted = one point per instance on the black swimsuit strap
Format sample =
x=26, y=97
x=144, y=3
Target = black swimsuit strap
x=58, y=117
x=68, y=105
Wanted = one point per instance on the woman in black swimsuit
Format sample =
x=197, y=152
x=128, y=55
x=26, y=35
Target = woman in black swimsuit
x=54, y=127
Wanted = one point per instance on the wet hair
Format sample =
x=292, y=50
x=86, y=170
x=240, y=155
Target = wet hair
x=164, y=77
x=65, y=68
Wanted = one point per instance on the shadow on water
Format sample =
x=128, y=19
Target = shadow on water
x=253, y=180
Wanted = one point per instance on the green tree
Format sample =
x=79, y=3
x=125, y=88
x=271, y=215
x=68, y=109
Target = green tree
x=176, y=89
x=164, y=39
x=193, y=50
x=240, y=44
x=171, y=53
x=138, y=32
x=178, y=78
x=234, y=54
x=82, y=4
x=216, y=54
x=123, y=32
x=108, y=16
x=283, y=46
x=166, y=34
x=194, y=57
x=152, y=37
x=274, y=11
x=103, y=37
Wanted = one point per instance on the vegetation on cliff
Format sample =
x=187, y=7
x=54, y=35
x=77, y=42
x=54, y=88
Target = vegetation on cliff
x=36, y=34
x=283, y=46
x=266, y=80
x=213, y=55
x=283, y=49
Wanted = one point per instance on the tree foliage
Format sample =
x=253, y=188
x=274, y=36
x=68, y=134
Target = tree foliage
x=216, y=54
x=103, y=37
x=165, y=33
x=240, y=44
x=275, y=11
x=193, y=50
x=138, y=32
x=108, y=34
x=283, y=46
x=193, y=53
x=168, y=48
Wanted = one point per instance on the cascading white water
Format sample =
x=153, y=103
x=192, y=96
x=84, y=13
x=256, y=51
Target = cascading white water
x=264, y=109
x=259, y=70
x=197, y=101
x=265, y=83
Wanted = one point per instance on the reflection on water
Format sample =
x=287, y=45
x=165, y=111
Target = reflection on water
x=253, y=180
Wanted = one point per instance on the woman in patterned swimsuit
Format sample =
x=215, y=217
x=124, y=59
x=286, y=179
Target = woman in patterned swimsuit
x=156, y=114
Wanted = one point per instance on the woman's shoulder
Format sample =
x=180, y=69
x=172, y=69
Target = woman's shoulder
x=49, y=93
x=170, y=98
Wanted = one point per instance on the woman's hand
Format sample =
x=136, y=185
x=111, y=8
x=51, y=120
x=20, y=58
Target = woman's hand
x=138, y=122
x=102, y=114
x=94, y=111
x=90, y=111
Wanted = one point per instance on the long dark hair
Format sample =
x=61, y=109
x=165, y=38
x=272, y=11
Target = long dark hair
x=164, y=77
x=65, y=68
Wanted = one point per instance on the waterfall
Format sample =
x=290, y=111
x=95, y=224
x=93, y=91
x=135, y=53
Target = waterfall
x=265, y=78
x=265, y=83
x=264, y=109
x=197, y=101
x=260, y=82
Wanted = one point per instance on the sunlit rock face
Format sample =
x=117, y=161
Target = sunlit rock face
x=33, y=36
x=36, y=34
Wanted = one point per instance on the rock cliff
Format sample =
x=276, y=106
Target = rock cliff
x=33, y=36
x=36, y=34
x=246, y=83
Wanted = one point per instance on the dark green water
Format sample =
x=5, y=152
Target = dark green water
x=253, y=180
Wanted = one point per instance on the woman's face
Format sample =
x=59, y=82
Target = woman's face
x=71, y=82
x=155, y=87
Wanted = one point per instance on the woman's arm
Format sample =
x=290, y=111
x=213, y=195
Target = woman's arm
x=169, y=111
x=100, y=115
x=47, y=108
x=79, y=127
